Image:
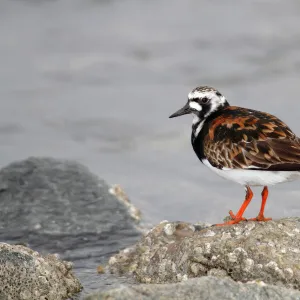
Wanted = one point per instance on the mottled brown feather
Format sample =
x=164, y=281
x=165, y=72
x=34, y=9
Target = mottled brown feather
x=242, y=138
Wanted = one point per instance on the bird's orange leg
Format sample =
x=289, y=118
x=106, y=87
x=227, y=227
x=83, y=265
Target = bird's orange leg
x=261, y=216
x=239, y=216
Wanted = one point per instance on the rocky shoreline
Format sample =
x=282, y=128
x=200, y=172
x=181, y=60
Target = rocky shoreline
x=173, y=252
x=59, y=207
x=173, y=260
x=249, y=260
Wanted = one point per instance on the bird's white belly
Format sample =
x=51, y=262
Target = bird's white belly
x=255, y=177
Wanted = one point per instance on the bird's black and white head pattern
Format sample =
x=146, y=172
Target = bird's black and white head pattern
x=203, y=101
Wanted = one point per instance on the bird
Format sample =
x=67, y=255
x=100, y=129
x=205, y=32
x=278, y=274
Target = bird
x=246, y=146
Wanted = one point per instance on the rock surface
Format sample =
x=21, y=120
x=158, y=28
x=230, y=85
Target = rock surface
x=205, y=288
x=59, y=206
x=58, y=196
x=25, y=274
x=172, y=252
x=51, y=198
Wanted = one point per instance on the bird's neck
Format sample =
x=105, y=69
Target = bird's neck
x=199, y=121
x=197, y=126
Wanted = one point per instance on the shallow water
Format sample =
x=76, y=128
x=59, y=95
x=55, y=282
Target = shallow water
x=95, y=81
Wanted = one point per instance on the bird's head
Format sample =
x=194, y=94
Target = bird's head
x=202, y=102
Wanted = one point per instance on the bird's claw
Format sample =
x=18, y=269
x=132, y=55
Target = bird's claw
x=260, y=218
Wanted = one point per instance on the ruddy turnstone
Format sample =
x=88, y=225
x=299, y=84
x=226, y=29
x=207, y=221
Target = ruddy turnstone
x=250, y=147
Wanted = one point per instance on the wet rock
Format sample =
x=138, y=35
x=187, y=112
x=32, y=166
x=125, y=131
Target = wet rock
x=204, y=288
x=25, y=274
x=46, y=199
x=59, y=206
x=173, y=252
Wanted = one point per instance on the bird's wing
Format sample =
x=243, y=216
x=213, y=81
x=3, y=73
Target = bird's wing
x=248, y=139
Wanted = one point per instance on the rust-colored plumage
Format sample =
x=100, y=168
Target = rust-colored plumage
x=248, y=139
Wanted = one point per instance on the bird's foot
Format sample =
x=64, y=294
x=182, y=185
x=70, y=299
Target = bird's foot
x=260, y=218
x=234, y=220
x=234, y=217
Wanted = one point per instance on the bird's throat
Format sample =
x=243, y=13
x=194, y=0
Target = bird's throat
x=196, y=128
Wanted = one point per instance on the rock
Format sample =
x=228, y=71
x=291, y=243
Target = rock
x=204, y=288
x=40, y=185
x=117, y=191
x=43, y=198
x=59, y=206
x=25, y=274
x=173, y=252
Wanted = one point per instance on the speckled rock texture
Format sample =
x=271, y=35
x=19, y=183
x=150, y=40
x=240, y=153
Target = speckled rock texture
x=204, y=288
x=172, y=252
x=25, y=274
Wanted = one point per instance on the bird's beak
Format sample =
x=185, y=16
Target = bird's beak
x=182, y=111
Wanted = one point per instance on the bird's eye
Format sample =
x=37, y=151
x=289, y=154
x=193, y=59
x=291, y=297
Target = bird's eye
x=204, y=100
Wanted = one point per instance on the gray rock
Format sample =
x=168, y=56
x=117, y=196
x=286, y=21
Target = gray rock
x=25, y=274
x=59, y=198
x=205, y=288
x=59, y=206
x=172, y=252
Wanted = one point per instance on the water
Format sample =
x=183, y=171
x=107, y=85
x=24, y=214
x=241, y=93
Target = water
x=95, y=81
